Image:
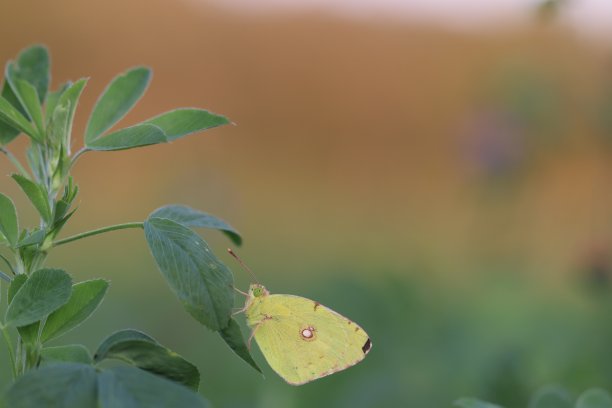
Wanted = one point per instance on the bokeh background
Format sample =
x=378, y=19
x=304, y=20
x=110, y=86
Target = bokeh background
x=438, y=171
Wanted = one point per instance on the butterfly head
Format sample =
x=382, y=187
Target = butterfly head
x=256, y=290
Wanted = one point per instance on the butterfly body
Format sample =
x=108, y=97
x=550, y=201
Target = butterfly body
x=301, y=339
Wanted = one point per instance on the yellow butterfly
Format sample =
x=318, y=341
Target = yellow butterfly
x=301, y=339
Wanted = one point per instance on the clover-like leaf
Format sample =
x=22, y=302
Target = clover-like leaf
x=185, y=121
x=71, y=353
x=27, y=95
x=42, y=293
x=128, y=138
x=232, y=335
x=84, y=300
x=34, y=237
x=142, y=351
x=37, y=195
x=190, y=217
x=32, y=66
x=12, y=117
x=118, y=98
x=130, y=387
x=65, y=385
x=202, y=283
x=9, y=224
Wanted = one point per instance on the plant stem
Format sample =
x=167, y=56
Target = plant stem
x=98, y=231
x=15, y=161
x=19, y=357
x=8, y=263
x=77, y=155
x=9, y=344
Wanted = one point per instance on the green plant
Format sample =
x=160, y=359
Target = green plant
x=552, y=397
x=44, y=303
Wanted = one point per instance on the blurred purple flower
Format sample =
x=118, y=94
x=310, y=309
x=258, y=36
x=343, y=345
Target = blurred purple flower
x=494, y=143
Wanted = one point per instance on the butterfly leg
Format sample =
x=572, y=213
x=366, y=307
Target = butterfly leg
x=239, y=311
x=245, y=307
x=266, y=317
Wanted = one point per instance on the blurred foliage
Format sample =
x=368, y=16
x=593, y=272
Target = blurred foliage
x=500, y=340
x=552, y=397
x=548, y=10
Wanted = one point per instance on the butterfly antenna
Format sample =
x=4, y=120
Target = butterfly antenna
x=244, y=266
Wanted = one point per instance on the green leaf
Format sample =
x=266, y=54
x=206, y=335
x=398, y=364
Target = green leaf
x=147, y=354
x=36, y=237
x=119, y=337
x=473, y=403
x=29, y=100
x=84, y=300
x=45, y=291
x=70, y=191
x=233, y=337
x=8, y=132
x=70, y=100
x=37, y=195
x=129, y=387
x=71, y=353
x=9, y=225
x=116, y=101
x=61, y=208
x=28, y=333
x=58, y=126
x=70, y=385
x=65, y=385
x=12, y=117
x=16, y=284
x=202, y=283
x=53, y=98
x=551, y=397
x=185, y=121
x=32, y=66
x=193, y=218
x=161, y=129
x=58, y=225
x=128, y=138
x=594, y=398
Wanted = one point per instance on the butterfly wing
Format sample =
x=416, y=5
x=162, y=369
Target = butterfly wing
x=303, y=340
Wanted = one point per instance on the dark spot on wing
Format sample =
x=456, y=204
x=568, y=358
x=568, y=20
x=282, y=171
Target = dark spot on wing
x=349, y=322
x=316, y=304
x=308, y=334
x=356, y=329
x=367, y=346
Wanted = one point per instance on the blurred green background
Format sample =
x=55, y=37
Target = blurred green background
x=447, y=189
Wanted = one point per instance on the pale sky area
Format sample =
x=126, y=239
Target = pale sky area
x=589, y=16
